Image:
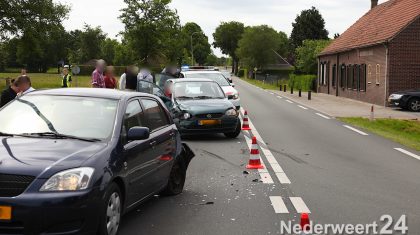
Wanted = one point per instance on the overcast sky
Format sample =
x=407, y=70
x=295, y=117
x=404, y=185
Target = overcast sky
x=279, y=14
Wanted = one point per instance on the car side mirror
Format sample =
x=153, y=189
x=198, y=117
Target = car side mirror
x=232, y=84
x=138, y=133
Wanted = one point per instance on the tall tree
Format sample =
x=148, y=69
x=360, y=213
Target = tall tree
x=91, y=40
x=226, y=37
x=306, y=55
x=109, y=48
x=17, y=16
x=258, y=46
x=200, y=42
x=308, y=25
x=150, y=27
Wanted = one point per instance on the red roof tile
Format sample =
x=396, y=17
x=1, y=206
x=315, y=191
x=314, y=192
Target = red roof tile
x=379, y=25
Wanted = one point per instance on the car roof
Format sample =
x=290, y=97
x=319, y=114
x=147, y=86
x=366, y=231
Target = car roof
x=89, y=92
x=201, y=71
x=191, y=80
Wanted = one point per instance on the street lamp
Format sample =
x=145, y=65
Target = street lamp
x=192, y=48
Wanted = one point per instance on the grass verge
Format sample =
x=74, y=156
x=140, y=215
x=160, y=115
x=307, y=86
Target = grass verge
x=405, y=132
x=45, y=80
x=261, y=84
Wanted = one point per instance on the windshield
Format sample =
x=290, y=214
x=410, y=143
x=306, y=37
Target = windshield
x=197, y=90
x=217, y=77
x=67, y=115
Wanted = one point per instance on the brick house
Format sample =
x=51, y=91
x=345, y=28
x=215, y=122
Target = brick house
x=376, y=56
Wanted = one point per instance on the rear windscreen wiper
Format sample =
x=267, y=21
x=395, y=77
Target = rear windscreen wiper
x=59, y=136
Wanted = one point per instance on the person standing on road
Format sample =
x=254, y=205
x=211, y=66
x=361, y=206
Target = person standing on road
x=98, y=80
x=131, y=78
x=110, y=81
x=9, y=93
x=130, y=70
x=146, y=75
x=66, y=78
x=24, y=85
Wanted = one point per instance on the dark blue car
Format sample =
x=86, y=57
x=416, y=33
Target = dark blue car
x=72, y=161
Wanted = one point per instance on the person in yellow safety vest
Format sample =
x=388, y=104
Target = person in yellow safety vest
x=66, y=78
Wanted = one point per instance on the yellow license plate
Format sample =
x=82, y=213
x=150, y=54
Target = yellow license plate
x=5, y=212
x=208, y=122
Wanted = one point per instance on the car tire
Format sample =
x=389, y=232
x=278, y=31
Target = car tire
x=111, y=212
x=414, y=104
x=176, y=180
x=237, y=131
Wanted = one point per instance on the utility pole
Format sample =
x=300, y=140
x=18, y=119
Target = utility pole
x=192, y=48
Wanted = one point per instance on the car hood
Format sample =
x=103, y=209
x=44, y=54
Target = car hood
x=195, y=107
x=32, y=156
x=229, y=90
x=408, y=92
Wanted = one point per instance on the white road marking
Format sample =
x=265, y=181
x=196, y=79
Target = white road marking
x=289, y=101
x=355, y=130
x=302, y=107
x=278, y=205
x=299, y=205
x=272, y=93
x=283, y=178
x=266, y=178
x=264, y=174
x=279, y=97
x=276, y=168
x=322, y=115
x=267, y=153
x=408, y=153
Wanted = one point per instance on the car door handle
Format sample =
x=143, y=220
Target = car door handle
x=153, y=143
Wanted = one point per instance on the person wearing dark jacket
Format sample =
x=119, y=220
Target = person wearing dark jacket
x=9, y=94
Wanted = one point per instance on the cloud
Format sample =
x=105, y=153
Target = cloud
x=338, y=14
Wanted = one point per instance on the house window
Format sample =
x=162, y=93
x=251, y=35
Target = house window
x=369, y=74
x=326, y=73
x=378, y=74
x=321, y=79
x=349, y=76
x=355, y=76
x=343, y=76
x=334, y=75
x=362, y=78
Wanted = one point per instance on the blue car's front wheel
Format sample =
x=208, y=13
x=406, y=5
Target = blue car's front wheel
x=237, y=131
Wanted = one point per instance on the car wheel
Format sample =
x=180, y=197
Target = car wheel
x=111, y=213
x=236, y=132
x=176, y=180
x=414, y=104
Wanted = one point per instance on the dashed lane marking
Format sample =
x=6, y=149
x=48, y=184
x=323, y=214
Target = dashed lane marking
x=299, y=205
x=267, y=153
x=264, y=174
x=302, y=107
x=279, y=97
x=322, y=115
x=408, y=153
x=278, y=205
x=283, y=178
x=355, y=130
x=288, y=101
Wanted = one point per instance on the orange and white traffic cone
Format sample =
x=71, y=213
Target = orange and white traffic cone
x=255, y=158
x=245, y=124
x=305, y=224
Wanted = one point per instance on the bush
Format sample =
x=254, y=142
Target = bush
x=303, y=82
x=241, y=73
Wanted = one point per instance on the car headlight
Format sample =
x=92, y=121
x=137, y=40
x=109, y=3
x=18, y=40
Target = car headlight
x=69, y=180
x=231, y=112
x=186, y=116
x=395, y=96
x=236, y=96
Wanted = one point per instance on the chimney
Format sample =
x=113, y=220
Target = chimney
x=374, y=4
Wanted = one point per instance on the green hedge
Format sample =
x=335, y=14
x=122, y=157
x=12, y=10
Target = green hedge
x=303, y=82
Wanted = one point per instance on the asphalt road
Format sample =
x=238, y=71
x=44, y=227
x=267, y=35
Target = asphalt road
x=314, y=163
